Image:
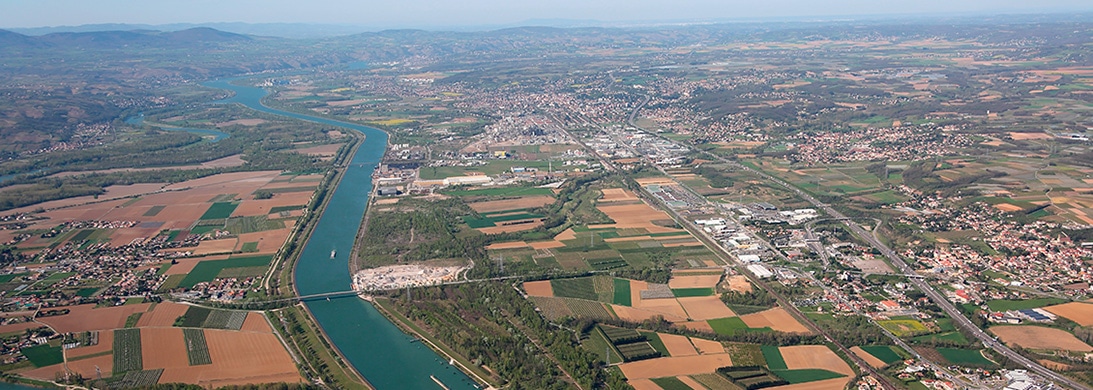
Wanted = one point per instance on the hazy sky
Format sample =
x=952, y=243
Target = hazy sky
x=424, y=13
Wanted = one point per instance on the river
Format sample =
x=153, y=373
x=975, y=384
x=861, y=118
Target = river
x=387, y=357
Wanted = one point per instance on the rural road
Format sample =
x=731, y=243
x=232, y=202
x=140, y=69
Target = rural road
x=951, y=310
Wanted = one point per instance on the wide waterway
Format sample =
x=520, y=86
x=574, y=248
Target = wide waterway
x=387, y=357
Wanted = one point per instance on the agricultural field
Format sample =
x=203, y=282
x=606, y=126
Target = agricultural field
x=958, y=356
x=1080, y=312
x=904, y=328
x=208, y=270
x=877, y=355
x=1007, y=305
x=1040, y=338
x=197, y=350
x=127, y=351
x=43, y=355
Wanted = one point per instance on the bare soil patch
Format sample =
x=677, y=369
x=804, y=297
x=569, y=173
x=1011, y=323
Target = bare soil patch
x=546, y=244
x=1039, y=337
x=643, y=384
x=677, y=345
x=777, y=319
x=674, y=366
x=616, y=194
x=739, y=283
x=507, y=245
x=540, y=288
x=872, y=360
x=86, y=367
x=164, y=314
x=209, y=247
x=1028, y=136
x=634, y=216
x=83, y=318
x=256, y=322
x=243, y=122
x=512, y=226
x=701, y=326
x=1080, y=312
x=705, y=308
x=707, y=347
x=19, y=327
x=693, y=281
x=814, y=356
x=1009, y=208
x=269, y=241
x=512, y=204
x=163, y=348
x=638, y=315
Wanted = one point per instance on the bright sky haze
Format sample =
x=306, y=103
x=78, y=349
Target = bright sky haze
x=446, y=13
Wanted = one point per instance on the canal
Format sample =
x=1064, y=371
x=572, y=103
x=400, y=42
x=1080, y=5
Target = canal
x=379, y=350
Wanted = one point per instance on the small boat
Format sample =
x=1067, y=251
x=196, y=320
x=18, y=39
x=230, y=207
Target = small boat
x=333, y=253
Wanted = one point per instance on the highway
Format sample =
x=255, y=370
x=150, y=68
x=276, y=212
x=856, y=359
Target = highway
x=951, y=310
x=722, y=253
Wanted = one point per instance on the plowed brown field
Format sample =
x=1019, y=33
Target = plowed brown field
x=673, y=366
x=163, y=348
x=777, y=319
x=869, y=358
x=1080, y=312
x=106, y=343
x=83, y=318
x=677, y=345
x=1039, y=337
x=541, y=288
x=705, y=308
x=164, y=314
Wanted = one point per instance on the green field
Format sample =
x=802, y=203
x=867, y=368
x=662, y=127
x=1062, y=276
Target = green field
x=774, y=358
x=127, y=351
x=728, y=326
x=86, y=291
x=622, y=292
x=197, y=350
x=154, y=210
x=1007, y=305
x=806, y=375
x=487, y=221
x=654, y=340
x=965, y=356
x=58, y=276
x=9, y=277
x=692, y=292
x=883, y=352
x=580, y=288
x=82, y=235
x=250, y=247
x=131, y=321
x=505, y=191
x=195, y=317
x=206, y=271
x=597, y=343
x=220, y=210
x=251, y=224
x=43, y=355
x=671, y=383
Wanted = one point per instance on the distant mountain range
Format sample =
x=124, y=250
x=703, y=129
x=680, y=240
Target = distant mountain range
x=118, y=38
x=312, y=31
